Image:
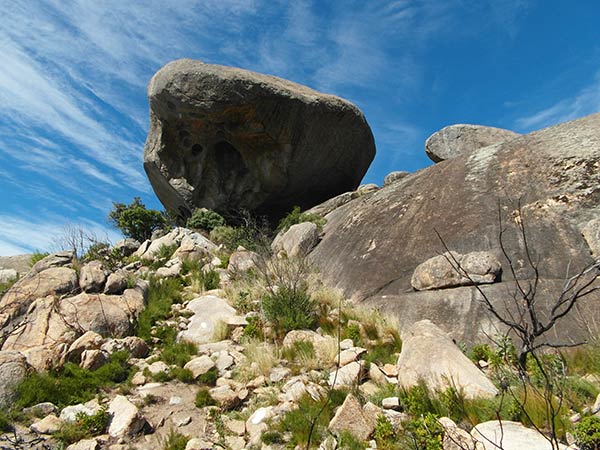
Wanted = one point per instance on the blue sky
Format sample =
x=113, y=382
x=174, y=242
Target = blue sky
x=73, y=76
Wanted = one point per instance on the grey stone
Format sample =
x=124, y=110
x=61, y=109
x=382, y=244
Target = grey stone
x=346, y=376
x=591, y=234
x=69, y=413
x=126, y=419
x=350, y=418
x=13, y=368
x=509, y=436
x=242, y=260
x=92, y=277
x=429, y=355
x=298, y=241
x=208, y=311
x=453, y=269
x=48, y=425
x=200, y=365
x=392, y=177
x=85, y=444
x=226, y=138
x=116, y=283
x=456, y=139
x=93, y=359
x=127, y=246
x=58, y=259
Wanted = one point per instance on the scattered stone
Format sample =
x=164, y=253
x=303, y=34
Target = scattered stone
x=377, y=375
x=127, y=246
x=92, y=277
x=265, y=144
x=456, y=139
x=509, y=436
x=93, y=359
x=394, y=176
x=448, y=270
x=183, y=421
x=237, y=427
x=175, y=400
x=59, y=259
x=390, y=403
x=41, y=409
x=85, y=444
x=195, y=247
x=226, y=397
x=347, y=376
x=298, y=240
x=455, y=438
x=323, y=345
x=70, y=413
x=13, y=369
x=591, y=234
x=242, y=261
x=48, y=425
x=350, y=417
x=346, y=344
x=278, y=374
x=158, y=367
x=200, y=365
x=116, y=283
x=198, y=444
x=428, y=354
x=369, y=388
x=224, y=361
x=390, y=370
x=256, y=423
x=126, y=419
x=369, y=188
x=235, y=442
x=90, y=340
x=208, y=311
x=352, y=354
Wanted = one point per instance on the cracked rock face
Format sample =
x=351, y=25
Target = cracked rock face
x=226, y=138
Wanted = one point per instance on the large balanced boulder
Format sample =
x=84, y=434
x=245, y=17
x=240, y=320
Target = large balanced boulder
x=456, y=139
x=226, y=138
x=371, y=246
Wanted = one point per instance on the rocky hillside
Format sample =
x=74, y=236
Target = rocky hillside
x=182, y=342
x=453, y=308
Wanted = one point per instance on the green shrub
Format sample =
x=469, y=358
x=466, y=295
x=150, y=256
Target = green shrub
x=296, y=216
x=36, y=257
x=418, y=400
x=205, y=219
x=177, y=353
x=175, y=441
x=297, y=422
x=253, y=235
x=5, y=423
x=134, y=220
x=210, y=377
x=385, y=435
x=209, y=279
x=203, y=398
x=349, y=442
x=162, y=293
x=72, y=384
x=587, y=433
x=289, y=309
x=84, y=427
x=424, y=433
x=272, y=437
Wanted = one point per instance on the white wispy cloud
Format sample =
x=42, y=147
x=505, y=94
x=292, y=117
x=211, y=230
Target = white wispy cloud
x=584, y=102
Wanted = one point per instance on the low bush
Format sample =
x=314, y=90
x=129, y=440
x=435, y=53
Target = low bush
x=587, y=433
x=205, y=219
x=287, y=309
x=72, y=384
x=84, y=427
x=175, y=441
x=423, y=433
x=162, y=293
x=297, y=216
x=36, y=257
x=208, y=279
x=209, y=378
x=5, y=423
x=203, y=398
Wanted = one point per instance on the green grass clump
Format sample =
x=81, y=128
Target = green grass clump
x=203, y=398
x=72, y=384
x=177, y=353
x=5, y=423
x=584, y=359
x=209, y=279
x=209, y=378
x=162, y=293
x=587, y=433
x=349, y=442
x=205, y=219
x=296, y=216
x=289, y=309
x=84, y=427
x=175, y=441
x=298, y=421
x=36, y=257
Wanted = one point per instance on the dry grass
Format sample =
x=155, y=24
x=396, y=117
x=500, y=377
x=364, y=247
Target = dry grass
x=261, y=357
